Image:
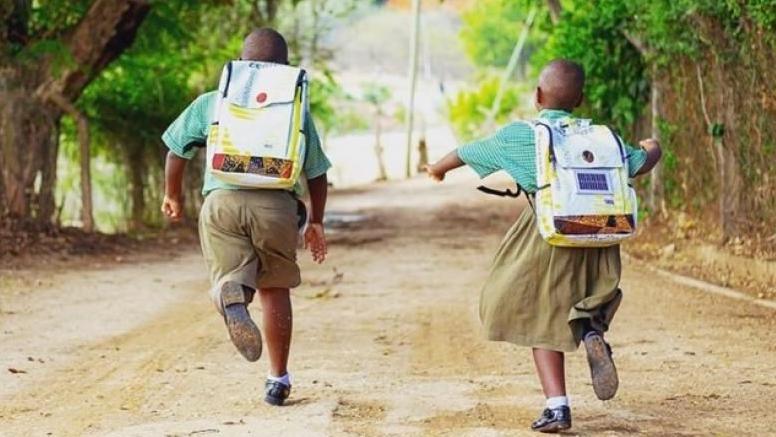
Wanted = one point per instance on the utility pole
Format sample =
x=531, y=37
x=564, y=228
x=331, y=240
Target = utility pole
x=413, y=78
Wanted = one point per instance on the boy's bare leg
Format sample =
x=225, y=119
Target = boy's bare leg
x=551, y=371
x=278, y=324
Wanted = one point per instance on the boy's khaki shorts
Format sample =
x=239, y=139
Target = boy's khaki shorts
x=250, y=237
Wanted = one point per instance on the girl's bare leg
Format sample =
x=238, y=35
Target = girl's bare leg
x=551, y=371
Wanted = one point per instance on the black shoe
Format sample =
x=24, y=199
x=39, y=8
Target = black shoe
x=602, y=370
x=276, y=392
x=244, y=333
x=553, y=420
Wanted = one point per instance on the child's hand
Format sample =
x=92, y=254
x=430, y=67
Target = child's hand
x=652, y=147
x=315, y=240
x=172, y=208
x=649, y=143
x=433, y=173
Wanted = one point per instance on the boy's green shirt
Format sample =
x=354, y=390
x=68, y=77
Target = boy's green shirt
x=193, y=125
x=512, y=149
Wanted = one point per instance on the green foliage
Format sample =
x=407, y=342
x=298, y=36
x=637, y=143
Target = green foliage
x=727, y=45
x=332, y=108
x=149, y=85
x=178, y=54
x=468, y=110
x=131, y=103
x=400, y=114
x=32, y=29
x=491, y=29
x=376, y=95
x=324, y=93
x=38, y=50
x=52, y=17
x=591, y=33
x=350, y=120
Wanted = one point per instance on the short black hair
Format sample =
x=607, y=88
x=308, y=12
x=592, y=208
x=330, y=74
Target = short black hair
x=562, y=82
x=265, y=45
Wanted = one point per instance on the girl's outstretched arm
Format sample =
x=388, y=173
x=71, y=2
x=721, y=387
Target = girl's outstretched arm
x=437, y=170
x=652, y=147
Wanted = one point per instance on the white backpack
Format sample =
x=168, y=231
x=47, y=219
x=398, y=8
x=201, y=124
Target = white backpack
x=584, y=197
x=256, y=140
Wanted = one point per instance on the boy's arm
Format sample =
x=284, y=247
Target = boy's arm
x=314, y=236
x=172, y=205
x=319, y=190
x=181, y=137
x=652, y=147
x=316, y=165
x=437, y=170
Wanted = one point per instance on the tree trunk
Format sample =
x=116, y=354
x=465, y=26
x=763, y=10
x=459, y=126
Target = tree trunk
x=27, y=135
x=732, y=199
x=29, y=119
x=107, y=29
x=422, y=147
x=136, y=167
x=727, y=166
x=656, y=192
x=82, y=125
x=422, y=154
x=264, y=12
x=383, y=174
x=87, y=213
x=413, y=79
x=46, y=201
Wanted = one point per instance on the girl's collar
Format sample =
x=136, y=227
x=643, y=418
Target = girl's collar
x=553, y=113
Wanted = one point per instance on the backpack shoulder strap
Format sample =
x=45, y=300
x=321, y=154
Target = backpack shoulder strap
x=540, y=122
x=619, y=143
x=507, y=192
x=502, y=193
x=227, y=79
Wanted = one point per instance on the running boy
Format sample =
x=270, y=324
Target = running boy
x=249, y=236
x=537, y=295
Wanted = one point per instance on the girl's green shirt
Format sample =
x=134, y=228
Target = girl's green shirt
x=512, y=149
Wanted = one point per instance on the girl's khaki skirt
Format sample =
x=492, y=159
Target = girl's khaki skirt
x=539, y=295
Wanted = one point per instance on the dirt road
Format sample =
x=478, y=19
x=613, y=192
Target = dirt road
x=386, y=342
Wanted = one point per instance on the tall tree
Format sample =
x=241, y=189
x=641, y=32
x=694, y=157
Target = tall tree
x=49, y=52
x=377, y=96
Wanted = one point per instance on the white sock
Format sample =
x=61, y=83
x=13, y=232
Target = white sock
x=285, y=379
x=557, y=402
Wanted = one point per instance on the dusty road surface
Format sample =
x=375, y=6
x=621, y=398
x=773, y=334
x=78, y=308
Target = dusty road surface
x=386, y=342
